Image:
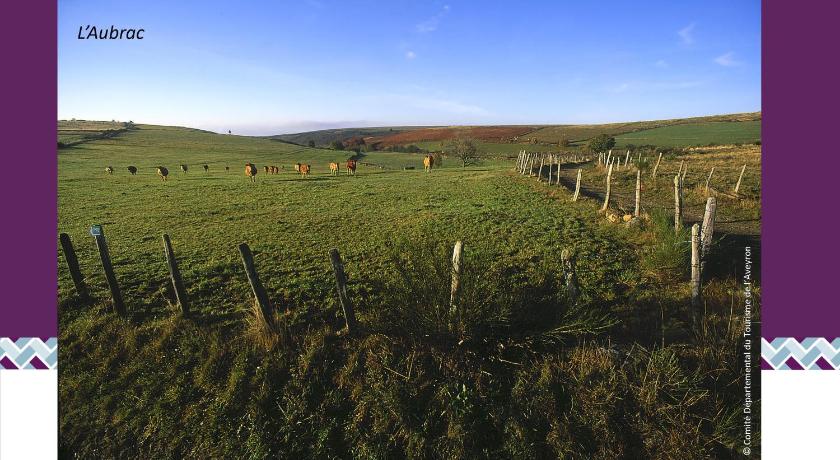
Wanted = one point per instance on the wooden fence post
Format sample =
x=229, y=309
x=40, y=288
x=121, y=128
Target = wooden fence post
x=609, y=186
x=627, y=158
x=73, y=265
x=677, y=203
x=685, y=171
x=175, y=276
x=341, y=286
x=639, y=161
x=709, y=179
x=457, y=270
x=679, y=171
x=567, y=260
x=738, y=185
x=609, y=159
x=531, y=166
x=657, y=165
x=539, y=172
x=708, y=230
x=638, y=210
x=577, y=186
x=260, y=296
x=695, y=271
x=110, y=277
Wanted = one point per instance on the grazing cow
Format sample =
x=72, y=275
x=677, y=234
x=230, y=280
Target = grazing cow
x=351, y=167
x=251, y=171
x=275, y=170
x=266, y=169
x=132, y=170
x=334, y=169
x=227, y=168
x=162, y=172
x=304, y=170
x=428, y=163
x=184, y=168
x=297, y=167
x=206, y=168
x=109, y=170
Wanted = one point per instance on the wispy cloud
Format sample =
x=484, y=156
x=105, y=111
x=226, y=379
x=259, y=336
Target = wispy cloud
x=431, y=24
x=662, y=64
x=687, y=34
x=727, y=60
x=410, y=55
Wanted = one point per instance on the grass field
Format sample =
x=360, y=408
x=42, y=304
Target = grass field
x=524, y=371
x=745, y=132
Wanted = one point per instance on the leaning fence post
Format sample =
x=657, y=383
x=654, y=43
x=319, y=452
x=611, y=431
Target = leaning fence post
x=539, y=172
x=577, y=186
x=738, y=185
x=695, y=271
x=260, y=296
x=627, y=158
x=677, y=203
x=73, y=265
x=708, y=229
x=659, y=160
x=531, y=166
x=341, y=286
x=457, y=270
x=637, y=210
x=99, y=236
x=175, y=276
x=709, y=179
x=567, y=260
x=609, y=186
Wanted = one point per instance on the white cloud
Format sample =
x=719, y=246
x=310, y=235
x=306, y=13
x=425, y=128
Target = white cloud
x=431, y=24
x=410, y=55
x=687, y=34
x=662, y=64
x=727, y=60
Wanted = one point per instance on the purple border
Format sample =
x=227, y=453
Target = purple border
x=799, y=214
x=28, y=293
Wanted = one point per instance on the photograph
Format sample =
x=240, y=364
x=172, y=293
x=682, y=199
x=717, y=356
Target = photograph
x=385, y=230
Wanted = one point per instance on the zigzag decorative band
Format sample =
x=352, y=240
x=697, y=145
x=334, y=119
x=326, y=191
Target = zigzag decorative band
x=28, y=353
x=794, y=353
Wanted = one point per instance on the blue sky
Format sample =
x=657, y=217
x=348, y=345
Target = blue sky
x=281, y=66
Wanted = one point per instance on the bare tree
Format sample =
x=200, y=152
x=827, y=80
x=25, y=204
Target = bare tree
x=463, y=149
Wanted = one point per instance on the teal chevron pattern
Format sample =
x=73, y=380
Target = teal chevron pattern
x=794, y=353
x=28, y=353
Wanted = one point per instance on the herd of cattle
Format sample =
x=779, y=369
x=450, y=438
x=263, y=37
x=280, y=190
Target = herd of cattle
x=251, y=170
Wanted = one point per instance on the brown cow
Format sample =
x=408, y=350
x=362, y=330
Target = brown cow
x=351, y=167
x=334, y=168
x=109, y=170
x=428, y=163
x=206, y=168
x=304, y=170
x=132, y=170
x=251, y=171
x=162, y=172
x=184, y=168
x=275, y=170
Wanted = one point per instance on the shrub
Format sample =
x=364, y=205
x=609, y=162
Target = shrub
x=600, y=143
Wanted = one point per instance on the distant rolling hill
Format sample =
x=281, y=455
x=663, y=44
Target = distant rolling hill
x=325, y=136
x=730, y=128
